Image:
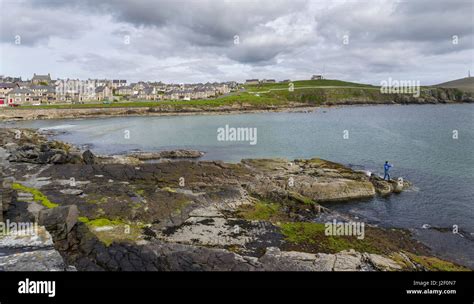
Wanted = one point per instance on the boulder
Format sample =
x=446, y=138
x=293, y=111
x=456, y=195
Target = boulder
x=39, y=154
x=88, y=157
x=44, y=147
x=382, y=187
x=75, y=157
x=382, y=263
x=34, y=209
x=59, y=157
x=349, y=261
x=59, y=221
x=26, y=153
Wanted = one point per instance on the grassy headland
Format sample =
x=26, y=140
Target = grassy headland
x=298, y=84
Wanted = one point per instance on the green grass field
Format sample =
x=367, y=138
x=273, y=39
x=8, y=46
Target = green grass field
x=305, y=83
x=240, y=98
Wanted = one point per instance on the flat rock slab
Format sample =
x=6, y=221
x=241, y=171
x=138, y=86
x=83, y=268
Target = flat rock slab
x=214, y=231
x=276, y=260
x=38, y=260
x=30, y=252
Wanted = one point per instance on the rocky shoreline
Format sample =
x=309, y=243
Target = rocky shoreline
x=17, y=114
x=124, y=213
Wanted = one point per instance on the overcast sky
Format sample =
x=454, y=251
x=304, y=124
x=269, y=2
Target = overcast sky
x=203, y=40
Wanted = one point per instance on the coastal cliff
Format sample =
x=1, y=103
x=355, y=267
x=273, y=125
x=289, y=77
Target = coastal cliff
x=120, y=213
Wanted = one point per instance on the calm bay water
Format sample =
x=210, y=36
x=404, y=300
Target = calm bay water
x=417, y=140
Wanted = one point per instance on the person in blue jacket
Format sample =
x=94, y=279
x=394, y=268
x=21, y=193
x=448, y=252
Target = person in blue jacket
x=386, y=168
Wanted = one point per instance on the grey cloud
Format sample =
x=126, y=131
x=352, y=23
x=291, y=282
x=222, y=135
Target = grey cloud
x=193, y=39
x=35, y=25
x=99, y=63
x=203, y=23
x=420, y=22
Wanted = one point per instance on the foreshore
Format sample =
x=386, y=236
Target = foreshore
x=121, y=213
x=17, y=114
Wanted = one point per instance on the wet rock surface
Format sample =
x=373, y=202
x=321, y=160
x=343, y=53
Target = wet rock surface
x=110, y=214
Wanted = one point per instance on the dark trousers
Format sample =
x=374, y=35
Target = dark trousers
x=386, y=175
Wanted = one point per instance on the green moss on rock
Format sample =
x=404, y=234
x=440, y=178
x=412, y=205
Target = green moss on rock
x=101, y=222
x=308, y=236
x=38, y=196
x=168, y=189
x=116, y=230
x=261, y=210
x=301, y=232
x=83, y=219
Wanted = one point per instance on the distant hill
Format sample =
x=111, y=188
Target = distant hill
x=465, y=84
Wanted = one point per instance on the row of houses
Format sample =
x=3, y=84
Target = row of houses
x=258, y=81
x=265, y=81
x=37, y=91
x=41, y=89
x=160, y=91
x=35, y=95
